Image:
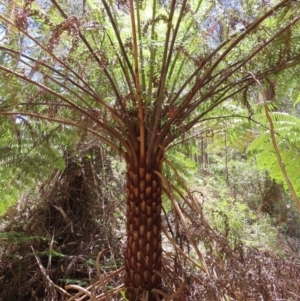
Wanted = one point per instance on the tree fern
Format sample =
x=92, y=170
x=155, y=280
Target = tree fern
x=139, y=75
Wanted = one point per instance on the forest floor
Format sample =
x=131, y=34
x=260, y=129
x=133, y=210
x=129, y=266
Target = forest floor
x=52, y=247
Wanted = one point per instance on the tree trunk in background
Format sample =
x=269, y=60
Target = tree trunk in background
x=204, y=156
x=272, y=195
x=143, y=250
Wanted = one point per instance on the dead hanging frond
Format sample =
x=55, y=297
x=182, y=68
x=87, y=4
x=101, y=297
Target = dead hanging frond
x=70, y=26
x=182, y=50
x=23, y=14
x=270, y=90
x=123, y=5
x=187, y=9
x=103, y=61
x=235, y=272
x=159, y=18
x=246, y=103
x=21, y=18
x=168, y=190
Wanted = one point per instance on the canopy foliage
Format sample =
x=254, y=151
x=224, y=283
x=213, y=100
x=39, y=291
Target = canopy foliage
x=137, y=75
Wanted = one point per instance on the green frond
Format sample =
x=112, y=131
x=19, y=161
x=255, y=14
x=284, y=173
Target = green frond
x=29, y=152
x=183, y=161
x=287, y=128
x=77, y=63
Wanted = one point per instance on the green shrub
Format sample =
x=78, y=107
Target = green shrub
x=235, y=220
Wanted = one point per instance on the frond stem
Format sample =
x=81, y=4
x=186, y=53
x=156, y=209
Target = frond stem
x=137, y=84
x=158, y=104
x=111, y=131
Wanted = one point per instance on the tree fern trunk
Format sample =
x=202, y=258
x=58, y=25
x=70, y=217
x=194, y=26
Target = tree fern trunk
x=143, y=249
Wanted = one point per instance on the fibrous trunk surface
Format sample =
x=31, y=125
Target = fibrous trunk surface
x=143, y=249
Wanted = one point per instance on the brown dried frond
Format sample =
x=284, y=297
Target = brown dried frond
x=128, y=44
x=28, y=3
x=245, y=102
x=21, y=18
x=42, y=16
x=187, y=9
x=22, y=15
x=67, y=218
x=238, y=272
x=65, y=224
x=198, y=60
x=70, y=25
x=159, y=18
x=123, y=5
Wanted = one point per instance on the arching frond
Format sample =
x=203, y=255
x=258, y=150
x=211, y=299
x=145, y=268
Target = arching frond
x=287, y=129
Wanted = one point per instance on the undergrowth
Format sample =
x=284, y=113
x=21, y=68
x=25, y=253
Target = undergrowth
x=240, y=224
x=65, y=241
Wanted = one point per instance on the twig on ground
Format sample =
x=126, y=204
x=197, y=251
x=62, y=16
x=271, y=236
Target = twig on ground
x=46, y=276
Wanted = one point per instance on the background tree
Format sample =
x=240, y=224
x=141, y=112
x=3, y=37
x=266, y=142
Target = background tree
x=139, y=75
